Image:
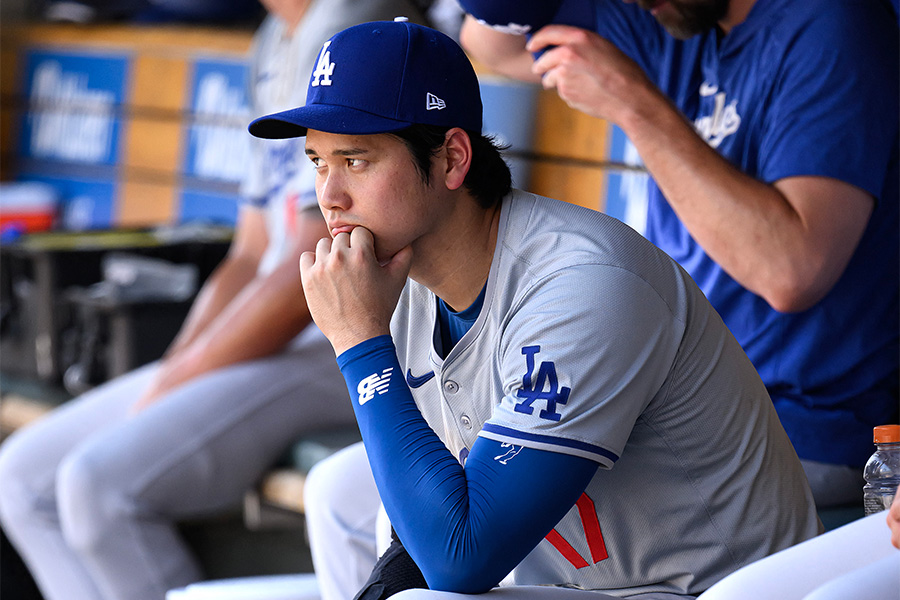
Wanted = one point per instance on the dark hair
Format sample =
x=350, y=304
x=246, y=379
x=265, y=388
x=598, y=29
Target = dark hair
x=488, y=179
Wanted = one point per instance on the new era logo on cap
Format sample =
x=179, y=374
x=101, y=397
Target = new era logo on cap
x=432, y=102
x=372, y=78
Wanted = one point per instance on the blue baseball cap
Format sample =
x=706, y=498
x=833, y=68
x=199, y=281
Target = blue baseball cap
x=380, y=77
x=524, y=17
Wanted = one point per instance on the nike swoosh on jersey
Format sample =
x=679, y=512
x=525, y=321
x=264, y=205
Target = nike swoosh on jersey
x=419, y=381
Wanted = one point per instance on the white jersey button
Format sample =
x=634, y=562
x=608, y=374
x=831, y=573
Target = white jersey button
x=451, y=387
x=466, y=421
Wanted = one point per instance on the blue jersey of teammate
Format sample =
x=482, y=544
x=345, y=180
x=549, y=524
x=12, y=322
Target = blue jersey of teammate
x=778, y=100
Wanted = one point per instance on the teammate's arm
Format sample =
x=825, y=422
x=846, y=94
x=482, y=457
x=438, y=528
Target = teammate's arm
x=788, y=242
x=465, y=527
x=236, y=322
x=502, y=53
x=236, y=270
x=893, y=519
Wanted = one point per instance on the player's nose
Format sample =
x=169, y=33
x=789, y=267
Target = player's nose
x=332, y=192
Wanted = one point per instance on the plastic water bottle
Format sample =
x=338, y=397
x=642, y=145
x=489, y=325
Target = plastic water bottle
x=882, y=473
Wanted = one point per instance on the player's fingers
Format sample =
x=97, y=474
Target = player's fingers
x=323, y=250
x=341, y=240
x=553, y=35
x=893, y=519
x=559, y=57
x=340, y=246
x=307, y=263
x=323, y=245
x=544, y=64
x=307, y=260
x=362, y=239
x=400, y=263
x=550, y=79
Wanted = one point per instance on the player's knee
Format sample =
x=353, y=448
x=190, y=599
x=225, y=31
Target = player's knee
x=876, y=580
x=318, y=486
x=743, y=584
x=91, y=507
x=22, y=497
x=327, y=484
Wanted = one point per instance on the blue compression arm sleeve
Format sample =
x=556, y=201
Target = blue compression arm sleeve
x=466, y=527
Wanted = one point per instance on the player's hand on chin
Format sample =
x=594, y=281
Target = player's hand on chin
x=350, y=295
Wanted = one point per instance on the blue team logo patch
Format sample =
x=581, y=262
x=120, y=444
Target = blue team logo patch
x=535, y=390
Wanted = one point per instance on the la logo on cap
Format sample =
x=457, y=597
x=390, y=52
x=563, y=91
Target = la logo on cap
x=324, y=68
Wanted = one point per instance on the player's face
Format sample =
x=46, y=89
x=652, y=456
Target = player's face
x=686, y=18
x=372, y=181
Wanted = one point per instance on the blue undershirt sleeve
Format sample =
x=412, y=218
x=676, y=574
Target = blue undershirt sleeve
x=466, y=527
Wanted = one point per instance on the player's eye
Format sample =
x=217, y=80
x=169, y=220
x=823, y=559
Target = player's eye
x=355, y=162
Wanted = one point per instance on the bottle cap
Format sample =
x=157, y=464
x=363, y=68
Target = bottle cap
x=886, y=434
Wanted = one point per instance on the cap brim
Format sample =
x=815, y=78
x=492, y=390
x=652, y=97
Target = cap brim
x=322, y=117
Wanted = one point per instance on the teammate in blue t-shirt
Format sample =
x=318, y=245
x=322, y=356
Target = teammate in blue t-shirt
x=770, y=128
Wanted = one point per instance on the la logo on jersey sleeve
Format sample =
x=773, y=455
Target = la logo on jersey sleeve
x=533, y=389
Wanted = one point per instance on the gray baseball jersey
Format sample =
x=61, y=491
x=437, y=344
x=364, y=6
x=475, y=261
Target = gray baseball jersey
x=593, y=342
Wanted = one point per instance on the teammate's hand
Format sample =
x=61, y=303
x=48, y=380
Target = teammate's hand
x=146, y=399
x=893, y=519
x=161, y=384
x=590, y=74
x=350, y=295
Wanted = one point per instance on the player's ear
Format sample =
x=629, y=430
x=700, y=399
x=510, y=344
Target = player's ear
x=458, y=157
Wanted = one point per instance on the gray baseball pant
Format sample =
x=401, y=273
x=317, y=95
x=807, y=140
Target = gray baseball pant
x=90, y=495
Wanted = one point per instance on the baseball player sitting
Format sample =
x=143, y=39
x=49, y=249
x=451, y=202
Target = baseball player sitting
x=539, y=389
